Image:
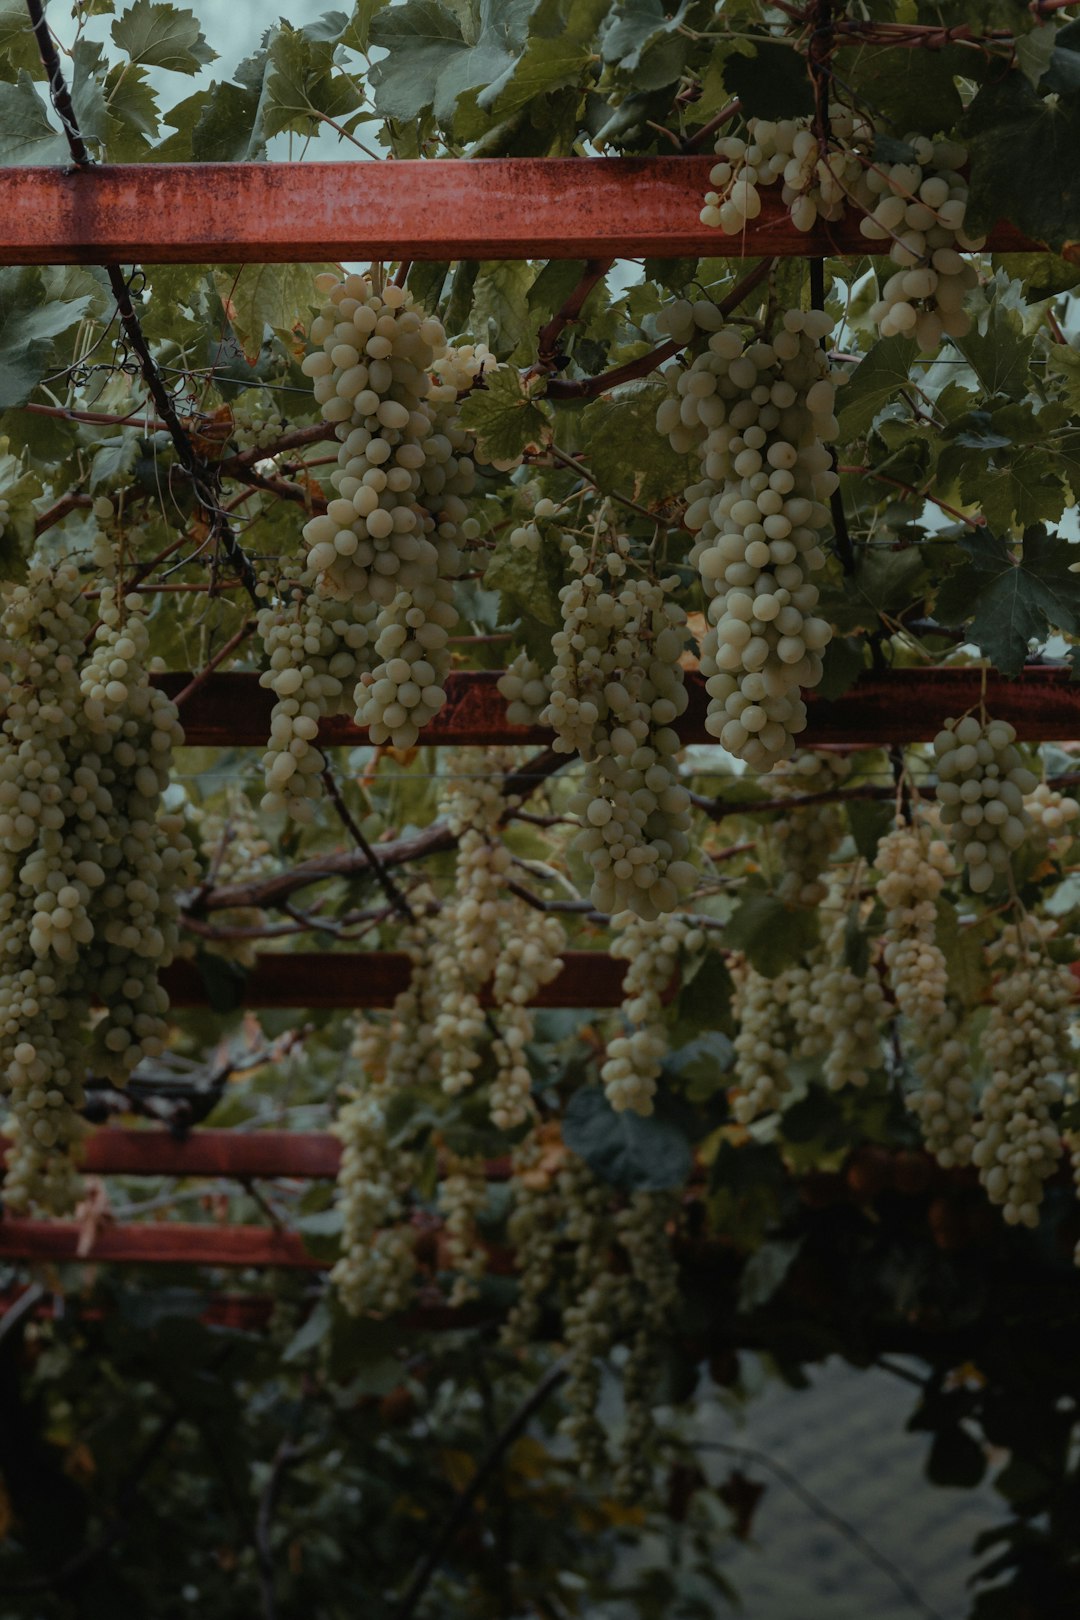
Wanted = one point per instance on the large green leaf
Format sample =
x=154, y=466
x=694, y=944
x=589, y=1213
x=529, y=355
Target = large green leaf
x=26, y=136
x=160, y=35
x=877, y=379
x=1023, y=160
x=1012, y=596
x=770, y=935
x=504, y=416
x=303, y=84
x=561, y=45
x=623, y=450
x=29, y=321
x=257, y=296
x=636, y=1153
x=647, y=41
x=429, y=62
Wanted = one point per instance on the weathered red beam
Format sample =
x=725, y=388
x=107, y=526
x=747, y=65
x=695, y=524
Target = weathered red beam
x=374, y=978
x=157, y=1243
x=898, y=706
x=304, y=1155
x=494, y=208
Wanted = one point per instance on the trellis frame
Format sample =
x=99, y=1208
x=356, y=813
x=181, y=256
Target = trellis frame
x=501, y=209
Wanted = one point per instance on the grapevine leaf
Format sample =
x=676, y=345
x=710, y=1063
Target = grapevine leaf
x=877, y=379
x=1063, y=361
x=772, y=82
x=302, y=84
x=559, y=47
x=114, y=459
x=28, y=324
x=357, y=32
x=1025, y=490
x=1022, y=151
x=26, y=136
x=228, y=127
x=1012, y=597
x=909, y=90
x=162, y=36
x=997, y=349
x=17, y=43
x=18, y=490
x=883, y=582
x=529, y=582
x=133, y=113
x=643, y=40
x=257, y=296
x=329, y=27
x=637, y=1153
x=624, y=452
x=1034, y=52
x=1043, y=274
x=424, y=45
x=843, y=662
x=500, y=309
x=223, y=980
x=503, y=416
x=770, y=935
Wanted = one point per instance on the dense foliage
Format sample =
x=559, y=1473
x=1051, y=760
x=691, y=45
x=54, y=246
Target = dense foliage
x=846, y=1026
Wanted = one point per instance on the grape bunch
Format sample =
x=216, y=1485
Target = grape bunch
x=758, y=414
x=982, y=781
x=378, y=1261
x=849, y=1007
x=315, y=651
x=462, y=1197
x=616, y=688
x=778, y=1026
x=1029, y=1058
x=526, y=688
x=914, y=868
x=652, y=951
x=1052, y=812
x=802, y=839
x=91, y=866
x=916, y=205
x=392, y=536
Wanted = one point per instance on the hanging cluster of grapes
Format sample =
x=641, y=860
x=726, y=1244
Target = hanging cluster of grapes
x=758, y=414
x=616, y=689
x=91, y=866
x=914, y=206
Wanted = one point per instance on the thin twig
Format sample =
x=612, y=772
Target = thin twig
x=382, y=877
x=213, y=663
x=462, y=1508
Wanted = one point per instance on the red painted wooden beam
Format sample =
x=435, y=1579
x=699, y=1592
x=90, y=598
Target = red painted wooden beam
x=494, y=208
x=156, y=1243
x=375, y=978
x=302, y=1155
x=899, y=706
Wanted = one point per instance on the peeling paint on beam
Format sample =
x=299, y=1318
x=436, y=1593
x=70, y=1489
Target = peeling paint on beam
x=493, y=208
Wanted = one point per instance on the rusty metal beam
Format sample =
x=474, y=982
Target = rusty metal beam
x=899, y=706
x=302, y=1155
x=354, y=979
x=494, y=208
x=155, y=1243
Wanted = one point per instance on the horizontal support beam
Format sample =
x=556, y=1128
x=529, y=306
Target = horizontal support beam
x=898, y=706
x=354, y=979
x=156, y=1243
x=492, y=208
x=243, y=1155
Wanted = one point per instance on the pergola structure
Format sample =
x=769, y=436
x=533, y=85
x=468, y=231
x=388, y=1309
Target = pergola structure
x=592, y=209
